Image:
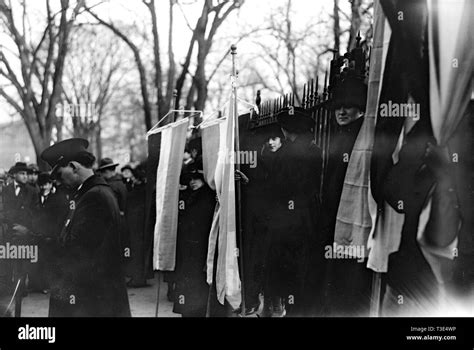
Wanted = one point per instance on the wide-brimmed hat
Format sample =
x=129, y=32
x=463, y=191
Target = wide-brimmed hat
x=295, y=119
x=349, y=92
x=19, y=166
x=106, y=163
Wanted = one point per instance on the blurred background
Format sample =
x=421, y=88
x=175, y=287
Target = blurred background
x=109, y=70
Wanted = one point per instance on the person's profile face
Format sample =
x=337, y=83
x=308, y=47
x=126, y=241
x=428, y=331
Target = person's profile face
x=346, y=115
x=274, y=143
x=67, y=176
x=21, y=177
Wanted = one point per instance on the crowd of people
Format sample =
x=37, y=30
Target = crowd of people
x=36, y=207
x=90, y=223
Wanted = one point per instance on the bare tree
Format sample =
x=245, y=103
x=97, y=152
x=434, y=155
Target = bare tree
x=33, y=69
x=283, y=53
x=147, y=109
x=358, y=11
x=213, y=14
x=336, y=27
x=204, y=34
x=95, y=70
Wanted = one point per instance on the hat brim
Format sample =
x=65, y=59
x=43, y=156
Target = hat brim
x=103, y=167
x=62, y=151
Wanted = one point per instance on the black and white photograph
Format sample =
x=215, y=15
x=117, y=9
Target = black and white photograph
x=304, y=160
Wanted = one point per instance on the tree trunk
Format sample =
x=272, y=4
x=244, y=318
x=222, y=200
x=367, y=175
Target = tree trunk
x=98, y=141
x=171, y=62
x=336, y=28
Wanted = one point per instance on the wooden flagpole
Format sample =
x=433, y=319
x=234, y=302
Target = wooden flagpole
x=238, y=194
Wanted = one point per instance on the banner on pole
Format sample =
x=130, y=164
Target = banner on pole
x=173, y=141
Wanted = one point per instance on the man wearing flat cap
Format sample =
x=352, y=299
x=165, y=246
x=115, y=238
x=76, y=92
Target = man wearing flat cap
x=292, y=222
x=90, y=280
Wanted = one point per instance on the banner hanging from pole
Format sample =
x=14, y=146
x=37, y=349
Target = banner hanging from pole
x=173, y=141
x=223, y=231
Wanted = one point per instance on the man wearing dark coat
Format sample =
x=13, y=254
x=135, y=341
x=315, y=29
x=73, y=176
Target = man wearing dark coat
x=107, y=169
x=135, y=214
x=194, y=225
x=19, y=198
x=48, y=220
x=19, y=204
x=292, y=235
x=90, y=280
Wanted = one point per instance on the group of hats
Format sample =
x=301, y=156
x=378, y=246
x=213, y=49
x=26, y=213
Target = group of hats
x=43, y=177
x=69, y=150
x=21, y=166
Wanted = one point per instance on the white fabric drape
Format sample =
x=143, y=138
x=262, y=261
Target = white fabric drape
x=451, y=56
x=173, y=140
x=223, y=231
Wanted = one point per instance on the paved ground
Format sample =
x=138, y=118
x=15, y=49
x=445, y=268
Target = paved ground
x=142, y=302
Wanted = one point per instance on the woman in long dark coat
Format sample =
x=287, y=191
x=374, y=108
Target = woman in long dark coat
x=135, y=215
x=293, y=190
x=194, y=224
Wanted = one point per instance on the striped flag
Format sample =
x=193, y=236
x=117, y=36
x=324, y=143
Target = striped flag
x=223, y=231
x=173, y=140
